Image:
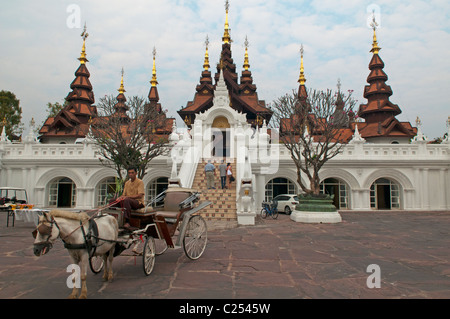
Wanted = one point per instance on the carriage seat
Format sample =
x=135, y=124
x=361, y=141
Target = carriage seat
x=172, y=201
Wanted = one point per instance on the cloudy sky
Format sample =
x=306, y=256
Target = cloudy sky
x=40, y=44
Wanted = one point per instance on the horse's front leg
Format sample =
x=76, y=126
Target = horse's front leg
x=83, y=275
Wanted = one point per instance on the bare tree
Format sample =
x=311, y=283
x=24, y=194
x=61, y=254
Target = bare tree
x=314, y=129
x=129, y=135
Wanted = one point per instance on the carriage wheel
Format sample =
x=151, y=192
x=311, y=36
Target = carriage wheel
x=195, y=238
x=149, y=255
x=96, y=264
x=160, y=246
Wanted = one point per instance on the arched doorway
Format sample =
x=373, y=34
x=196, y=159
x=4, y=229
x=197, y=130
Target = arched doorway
x=62, y=193
x=385, y=194
x=338, y=188
x=220, y=137
x=279, y=185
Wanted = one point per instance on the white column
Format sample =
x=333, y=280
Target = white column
x=418, y=187
x=425, y=189
x=443, y=197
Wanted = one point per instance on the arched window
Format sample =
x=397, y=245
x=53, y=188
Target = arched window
x=279, y=186
x=156, y=187
x=62, y=192
x=385, y=194
x=106, y=190
x=338, y=188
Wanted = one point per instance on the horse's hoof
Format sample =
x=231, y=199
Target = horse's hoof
x=72, y=297
x=82, y=296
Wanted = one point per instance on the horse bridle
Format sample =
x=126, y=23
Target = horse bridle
x=45, y=230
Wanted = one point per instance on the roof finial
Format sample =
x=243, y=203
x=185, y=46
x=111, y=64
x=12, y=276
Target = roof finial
x=84, y=35
x=206, y=65
x=246, y=62
x=226, y=34
x=302, y=78
x=374, y=25
x=122, y=88
x=154, y=82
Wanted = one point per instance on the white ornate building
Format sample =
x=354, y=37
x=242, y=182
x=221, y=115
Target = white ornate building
x=372, y=173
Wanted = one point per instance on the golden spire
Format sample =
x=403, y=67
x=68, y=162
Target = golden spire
x=154, y=81
x=121, y=89
x=226, y=34
x=302, y=78
x=246, y=63
x=374, y=25
x=206, y=65
x=84, y=35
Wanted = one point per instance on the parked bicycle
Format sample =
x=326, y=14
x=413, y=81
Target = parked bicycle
x=269, y=209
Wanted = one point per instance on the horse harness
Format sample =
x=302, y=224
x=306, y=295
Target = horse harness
x=90, y=237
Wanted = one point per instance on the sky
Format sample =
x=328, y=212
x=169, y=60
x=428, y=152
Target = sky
x=40, y=44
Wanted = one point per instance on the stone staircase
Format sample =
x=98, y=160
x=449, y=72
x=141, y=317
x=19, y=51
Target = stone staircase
x=222, y=212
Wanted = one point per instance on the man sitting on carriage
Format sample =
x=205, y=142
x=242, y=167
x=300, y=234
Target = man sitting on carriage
x=132, y=197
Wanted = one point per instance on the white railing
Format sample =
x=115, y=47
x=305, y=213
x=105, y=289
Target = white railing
x=389, y=152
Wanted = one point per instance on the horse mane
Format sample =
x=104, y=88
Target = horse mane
x=69, y=215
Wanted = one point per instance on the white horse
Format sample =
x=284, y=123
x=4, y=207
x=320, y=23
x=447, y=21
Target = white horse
x=74, y=230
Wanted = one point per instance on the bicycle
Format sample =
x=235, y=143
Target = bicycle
x=269, y=209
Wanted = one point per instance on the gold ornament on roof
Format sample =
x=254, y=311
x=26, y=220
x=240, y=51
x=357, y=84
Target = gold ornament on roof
x=206, y=65
x=154, y=82
x=226, y=34
x=246, y=62
x=302, y=78
x=374, y=25
x=122, y=88
x=84, y=35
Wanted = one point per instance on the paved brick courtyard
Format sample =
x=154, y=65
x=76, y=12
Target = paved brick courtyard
x=277, y=259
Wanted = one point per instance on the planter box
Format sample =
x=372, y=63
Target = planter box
x=315, y=209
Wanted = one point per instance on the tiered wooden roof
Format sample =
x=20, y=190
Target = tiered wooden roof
x=72, y=120
x=243, y=95
x=379, y=112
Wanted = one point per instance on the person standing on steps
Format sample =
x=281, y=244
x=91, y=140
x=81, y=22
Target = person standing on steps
x=223, y=174
x=229, y=175
x=210, y=172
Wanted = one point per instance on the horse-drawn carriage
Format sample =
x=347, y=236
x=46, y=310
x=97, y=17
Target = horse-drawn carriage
x=97, y=239
x=156, y=227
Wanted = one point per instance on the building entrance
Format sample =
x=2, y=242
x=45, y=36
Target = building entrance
x=220, y=137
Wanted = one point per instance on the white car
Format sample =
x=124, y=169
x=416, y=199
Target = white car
x=286, y=203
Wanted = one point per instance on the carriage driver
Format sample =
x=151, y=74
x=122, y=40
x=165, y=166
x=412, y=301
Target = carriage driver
x=132, y=197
